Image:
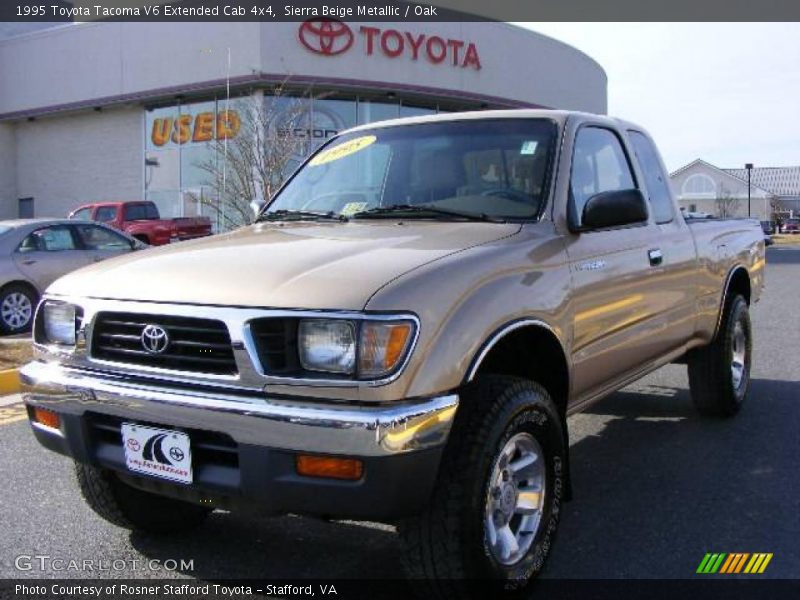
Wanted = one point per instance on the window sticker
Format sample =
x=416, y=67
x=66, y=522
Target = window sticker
x=352, y=208
x=342, y=150
x=528, y=147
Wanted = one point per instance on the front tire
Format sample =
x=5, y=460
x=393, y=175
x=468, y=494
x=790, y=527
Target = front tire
x=719, y=374
x=134, y=509
x=496, y=503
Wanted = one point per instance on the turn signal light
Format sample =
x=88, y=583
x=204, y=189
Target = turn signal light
x=327, y=466
x=47, y=418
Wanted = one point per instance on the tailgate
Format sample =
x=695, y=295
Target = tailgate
x=192, y=226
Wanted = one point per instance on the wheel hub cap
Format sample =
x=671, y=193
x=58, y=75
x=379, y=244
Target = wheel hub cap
x=515, y=499
x=738, y=356
x=16, y=310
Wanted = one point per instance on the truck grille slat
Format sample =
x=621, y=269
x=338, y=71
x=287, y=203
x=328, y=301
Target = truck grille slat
x=140, y=324
x=276, y=344
x=195, y=345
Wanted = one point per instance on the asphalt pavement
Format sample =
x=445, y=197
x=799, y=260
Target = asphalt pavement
x=655, y=488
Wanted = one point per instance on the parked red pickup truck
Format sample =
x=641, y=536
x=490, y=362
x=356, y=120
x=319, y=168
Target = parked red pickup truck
x=142, y=221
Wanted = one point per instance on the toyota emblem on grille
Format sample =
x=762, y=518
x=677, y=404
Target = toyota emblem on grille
x=154, y=339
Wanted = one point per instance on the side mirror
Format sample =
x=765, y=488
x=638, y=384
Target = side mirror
x=614, y=209
x=256, y=206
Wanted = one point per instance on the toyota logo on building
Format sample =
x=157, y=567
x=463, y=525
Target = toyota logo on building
x=154, y=339
x=326, y=36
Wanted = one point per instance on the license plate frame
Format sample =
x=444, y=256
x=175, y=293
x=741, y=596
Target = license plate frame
x=157, y=452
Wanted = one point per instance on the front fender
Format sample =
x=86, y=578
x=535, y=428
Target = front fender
x=466, y=298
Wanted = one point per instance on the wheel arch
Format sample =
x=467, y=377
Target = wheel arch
x=736, y=282
x=35, y=298
x=24, y=283
x=529, y=348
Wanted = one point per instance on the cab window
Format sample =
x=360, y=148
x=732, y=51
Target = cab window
x=105, y=214
x=599, y=164
x=84, y=214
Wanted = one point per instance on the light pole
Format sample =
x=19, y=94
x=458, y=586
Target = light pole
x=749, y=167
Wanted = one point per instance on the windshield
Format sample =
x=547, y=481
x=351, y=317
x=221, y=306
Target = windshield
x=497, y=168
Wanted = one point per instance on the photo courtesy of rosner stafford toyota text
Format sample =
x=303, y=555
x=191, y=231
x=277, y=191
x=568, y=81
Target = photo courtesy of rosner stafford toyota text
x=385, y=300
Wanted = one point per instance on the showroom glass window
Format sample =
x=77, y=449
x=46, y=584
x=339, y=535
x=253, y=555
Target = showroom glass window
x=185, y=150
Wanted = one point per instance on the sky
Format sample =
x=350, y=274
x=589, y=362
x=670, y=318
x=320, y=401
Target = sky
x=728, y=93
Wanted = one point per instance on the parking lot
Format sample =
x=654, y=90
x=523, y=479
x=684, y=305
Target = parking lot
x=656, y=487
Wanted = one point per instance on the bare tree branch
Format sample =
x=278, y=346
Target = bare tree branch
x=253, y=164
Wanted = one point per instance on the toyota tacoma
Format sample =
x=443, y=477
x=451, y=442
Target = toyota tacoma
x=399, y=337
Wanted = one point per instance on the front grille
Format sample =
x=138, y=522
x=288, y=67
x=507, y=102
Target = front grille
x=196, y=345
x=276, y=343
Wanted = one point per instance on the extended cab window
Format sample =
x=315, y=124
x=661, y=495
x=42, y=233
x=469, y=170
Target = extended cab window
x=654, y=176
x=141, y=212
x=494, y=168
x=599, y=165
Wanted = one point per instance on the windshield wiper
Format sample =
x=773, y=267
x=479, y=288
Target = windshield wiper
x=285, y=215
x=394, y=209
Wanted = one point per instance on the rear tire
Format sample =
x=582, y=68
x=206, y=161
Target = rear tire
x=503, y=464
x=134, y=509
x=17, y=307
x=719, y=374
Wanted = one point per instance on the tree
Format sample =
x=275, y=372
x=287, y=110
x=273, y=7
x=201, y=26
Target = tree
x=726, y=204
x=258, y=150
x=778, y=212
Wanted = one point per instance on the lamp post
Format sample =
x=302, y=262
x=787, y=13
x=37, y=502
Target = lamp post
x=749, y=167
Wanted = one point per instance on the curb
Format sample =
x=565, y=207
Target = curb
x=9, y=382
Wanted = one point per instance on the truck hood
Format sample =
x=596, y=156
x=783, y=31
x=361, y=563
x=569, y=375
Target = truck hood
x=280, y=265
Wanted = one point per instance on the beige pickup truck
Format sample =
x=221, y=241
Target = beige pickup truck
x=399, y=337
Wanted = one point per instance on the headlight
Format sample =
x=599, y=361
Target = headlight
x=327, y=345
x=59, y=323
x=366, y=349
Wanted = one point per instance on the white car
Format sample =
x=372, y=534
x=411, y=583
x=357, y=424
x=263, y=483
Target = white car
x=695, y=214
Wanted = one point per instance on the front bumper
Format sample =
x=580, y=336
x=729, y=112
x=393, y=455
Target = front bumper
x=244, y=445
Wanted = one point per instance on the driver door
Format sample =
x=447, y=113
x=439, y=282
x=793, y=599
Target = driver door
x=614, y=297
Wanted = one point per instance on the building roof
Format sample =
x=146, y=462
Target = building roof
x=781, y=181
x=778, y=181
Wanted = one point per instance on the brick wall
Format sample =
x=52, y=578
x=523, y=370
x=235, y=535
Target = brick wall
x=65, y=161
x=8, y=172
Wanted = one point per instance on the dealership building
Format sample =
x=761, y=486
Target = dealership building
x=130, y=111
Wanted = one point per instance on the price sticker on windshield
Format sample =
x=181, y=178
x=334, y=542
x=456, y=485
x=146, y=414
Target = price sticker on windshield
x=342, y=150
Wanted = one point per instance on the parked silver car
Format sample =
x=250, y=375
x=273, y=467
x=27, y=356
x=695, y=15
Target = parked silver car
x=36, y=252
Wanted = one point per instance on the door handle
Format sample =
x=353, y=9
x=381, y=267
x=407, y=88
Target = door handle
x=656, y=257
x=97, y=258
x=30, y=261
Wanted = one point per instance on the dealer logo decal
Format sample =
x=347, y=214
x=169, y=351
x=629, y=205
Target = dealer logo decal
x=153, y=451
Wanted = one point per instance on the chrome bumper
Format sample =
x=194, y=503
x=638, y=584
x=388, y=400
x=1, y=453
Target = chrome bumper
x=310, y=426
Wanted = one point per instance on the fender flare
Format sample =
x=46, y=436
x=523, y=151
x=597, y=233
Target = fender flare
x=726, y=288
